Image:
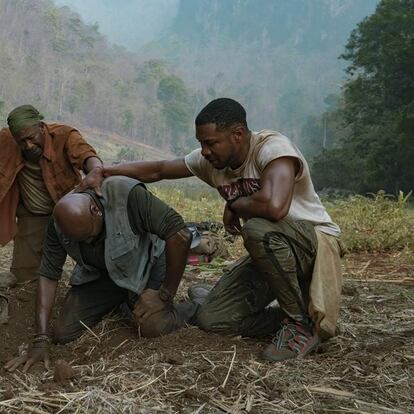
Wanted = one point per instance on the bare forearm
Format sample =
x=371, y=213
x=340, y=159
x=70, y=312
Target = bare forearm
x=91, y=163
x=151, y=171
x=259, y=205
x=145, y=171
x=176, y=256
x=46, y=293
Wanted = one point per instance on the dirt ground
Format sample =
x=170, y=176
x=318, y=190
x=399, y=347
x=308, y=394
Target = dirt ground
x=367, y=368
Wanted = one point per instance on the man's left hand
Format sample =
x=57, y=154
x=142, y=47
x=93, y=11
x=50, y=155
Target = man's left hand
x=92, y=180
x=231, y=221
x=148, y=303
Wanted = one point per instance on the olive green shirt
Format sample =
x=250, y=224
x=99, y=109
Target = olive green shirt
x=146, y=213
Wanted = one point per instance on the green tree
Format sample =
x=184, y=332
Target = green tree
x=128, y=121
x=177, y=109
x=378, y=101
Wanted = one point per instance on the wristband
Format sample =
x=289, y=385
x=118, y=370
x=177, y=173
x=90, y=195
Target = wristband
x=41, y=342
x=41, y=338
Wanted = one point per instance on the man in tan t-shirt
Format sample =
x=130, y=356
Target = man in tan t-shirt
x=291, y=240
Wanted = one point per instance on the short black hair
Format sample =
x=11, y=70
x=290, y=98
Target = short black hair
x=224, y=112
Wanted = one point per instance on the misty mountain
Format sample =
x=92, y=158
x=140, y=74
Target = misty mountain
x=130, y=23
x=279, y=58
x=50, y=58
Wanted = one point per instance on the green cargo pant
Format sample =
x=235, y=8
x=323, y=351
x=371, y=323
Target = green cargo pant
x=279, y=266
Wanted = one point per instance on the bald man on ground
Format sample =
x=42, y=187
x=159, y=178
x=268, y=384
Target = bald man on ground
x=129, y=248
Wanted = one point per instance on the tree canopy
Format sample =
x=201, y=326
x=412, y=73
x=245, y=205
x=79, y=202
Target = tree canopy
x=377, y=113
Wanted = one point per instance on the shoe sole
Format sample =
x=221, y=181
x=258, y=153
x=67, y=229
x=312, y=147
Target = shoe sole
x=270, y=358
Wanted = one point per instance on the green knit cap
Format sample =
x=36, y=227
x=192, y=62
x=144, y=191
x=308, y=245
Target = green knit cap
x=23, y=117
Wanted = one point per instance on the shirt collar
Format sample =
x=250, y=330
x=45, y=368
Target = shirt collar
x=48, y=151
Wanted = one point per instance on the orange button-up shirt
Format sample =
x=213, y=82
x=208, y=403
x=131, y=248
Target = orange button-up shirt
x=64, y=155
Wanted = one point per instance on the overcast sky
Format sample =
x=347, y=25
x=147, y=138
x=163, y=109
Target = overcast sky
x=142, y=20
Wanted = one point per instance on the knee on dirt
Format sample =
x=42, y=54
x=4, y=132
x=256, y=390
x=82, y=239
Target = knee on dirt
x=209, y=322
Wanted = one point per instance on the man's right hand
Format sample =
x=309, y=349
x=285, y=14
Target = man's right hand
x=93, y=180
x=39, y=351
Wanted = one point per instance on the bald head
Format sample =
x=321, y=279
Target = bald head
x=78, y=216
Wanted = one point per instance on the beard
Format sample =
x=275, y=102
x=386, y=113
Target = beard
x=32, y=155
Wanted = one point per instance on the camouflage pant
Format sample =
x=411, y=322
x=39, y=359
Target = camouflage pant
x=279, y=266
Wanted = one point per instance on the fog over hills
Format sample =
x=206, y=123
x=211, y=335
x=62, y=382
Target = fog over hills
x=50, y=58
x=279, y=58
x=130, y=23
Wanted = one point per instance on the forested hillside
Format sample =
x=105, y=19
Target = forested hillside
x=366, y=141
x=50, y=58
x=280, y=58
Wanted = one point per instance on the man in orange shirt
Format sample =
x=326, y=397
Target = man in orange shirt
x=39, y=163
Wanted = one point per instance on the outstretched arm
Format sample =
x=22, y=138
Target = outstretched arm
x=151, y=171
x=145, y=171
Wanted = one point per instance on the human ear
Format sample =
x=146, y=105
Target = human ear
x=238, y=132
x=95, y=210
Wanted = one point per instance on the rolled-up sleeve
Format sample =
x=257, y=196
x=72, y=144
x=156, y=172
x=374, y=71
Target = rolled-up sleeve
x=78, y=150
x=54, y=255
x=147, y=213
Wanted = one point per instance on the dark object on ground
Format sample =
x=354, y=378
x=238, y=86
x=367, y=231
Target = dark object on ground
x=212, y=243
x=63, y=372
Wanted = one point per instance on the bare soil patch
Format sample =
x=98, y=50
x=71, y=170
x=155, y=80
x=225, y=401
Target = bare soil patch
x=367, y=368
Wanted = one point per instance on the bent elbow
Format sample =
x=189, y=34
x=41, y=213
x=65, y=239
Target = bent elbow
x=277, y=212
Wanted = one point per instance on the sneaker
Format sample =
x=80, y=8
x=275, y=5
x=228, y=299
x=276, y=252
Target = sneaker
x=7, y=279
x=293, y=340
x=198, y=293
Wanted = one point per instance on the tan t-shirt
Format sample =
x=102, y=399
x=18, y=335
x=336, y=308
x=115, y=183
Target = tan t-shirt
x=33, y=191
x=266, y=146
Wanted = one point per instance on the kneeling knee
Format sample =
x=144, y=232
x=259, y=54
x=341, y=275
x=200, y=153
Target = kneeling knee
x=208, y=322
x=204, y=320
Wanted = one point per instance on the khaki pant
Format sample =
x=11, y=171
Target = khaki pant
x=279, y=266
x=28, y=243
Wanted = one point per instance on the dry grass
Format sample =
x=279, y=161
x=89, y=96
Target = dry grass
x=375, y=224
x=367, y=368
